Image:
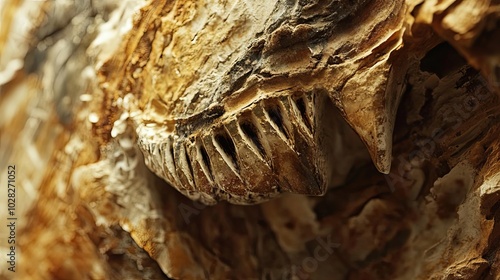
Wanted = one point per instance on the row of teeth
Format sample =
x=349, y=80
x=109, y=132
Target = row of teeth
x=219, y=162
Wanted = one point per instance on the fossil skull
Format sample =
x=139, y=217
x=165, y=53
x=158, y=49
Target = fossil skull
x=267, y=117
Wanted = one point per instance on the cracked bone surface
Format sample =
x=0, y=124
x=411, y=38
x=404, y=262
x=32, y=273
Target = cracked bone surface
x=363, y=135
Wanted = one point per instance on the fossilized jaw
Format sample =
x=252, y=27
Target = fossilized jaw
x=243, y=157
x=250, y=129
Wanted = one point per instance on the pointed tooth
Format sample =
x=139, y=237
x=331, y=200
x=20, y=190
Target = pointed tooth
x=227, y=179
x=294, y=176
x=224, y=144
x=369, y=102
x=170, y=159
x=204, y=161
x=184, y=165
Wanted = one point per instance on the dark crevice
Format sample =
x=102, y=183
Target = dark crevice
x=171, y=151
x=252, y=133
x=239, y=81
x=190, y=166
x=490, y=252
x=227, y=145
x=206, y=160
x=277, y=118
x=301, y=105
x=494, y=209
x=442, y=60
